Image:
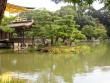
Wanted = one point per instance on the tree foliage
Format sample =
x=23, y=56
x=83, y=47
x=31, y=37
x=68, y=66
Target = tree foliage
x=64, y=26
x=55, y=25
x=97, y=32
x=5, y=24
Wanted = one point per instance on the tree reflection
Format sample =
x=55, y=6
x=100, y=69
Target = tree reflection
x=55, y=68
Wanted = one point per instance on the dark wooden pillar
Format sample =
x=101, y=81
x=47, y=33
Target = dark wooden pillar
x=0, y=34
x=23, y=37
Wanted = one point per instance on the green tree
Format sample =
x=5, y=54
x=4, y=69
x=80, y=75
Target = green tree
x=97, y=32
x=88, y=31
x=100, y=32
x=5, y=24
x=53, y=26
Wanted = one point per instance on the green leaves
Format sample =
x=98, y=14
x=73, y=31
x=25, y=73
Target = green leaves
x=66, y=25
x=88, y=31
x=7, y=29
x=4, y=25
x=96, y=32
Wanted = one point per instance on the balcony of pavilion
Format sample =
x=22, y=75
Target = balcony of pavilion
x=20, y=25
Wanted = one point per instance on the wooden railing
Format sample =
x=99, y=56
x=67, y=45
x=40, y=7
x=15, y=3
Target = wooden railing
x=20, y=40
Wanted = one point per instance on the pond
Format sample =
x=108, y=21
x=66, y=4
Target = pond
x=93, y=67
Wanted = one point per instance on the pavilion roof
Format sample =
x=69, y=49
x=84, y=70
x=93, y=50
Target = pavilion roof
x=11, y=8
x=21, y=24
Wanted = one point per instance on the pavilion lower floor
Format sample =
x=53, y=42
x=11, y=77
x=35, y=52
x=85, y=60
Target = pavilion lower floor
x=18, y=36
x=8, y=41
x=4, y=35
x=16, y=43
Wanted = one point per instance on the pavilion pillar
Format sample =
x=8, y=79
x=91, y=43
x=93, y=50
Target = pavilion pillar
x=23, y=38
x=0, y=34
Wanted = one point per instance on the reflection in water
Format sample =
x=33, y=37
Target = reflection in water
x=93, y=67
x=97, y=75
x=26, y=76
x=5, y=78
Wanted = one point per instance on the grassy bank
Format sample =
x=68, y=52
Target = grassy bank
x=81, y=49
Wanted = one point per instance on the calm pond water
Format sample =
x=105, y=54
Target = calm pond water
x=93, y=67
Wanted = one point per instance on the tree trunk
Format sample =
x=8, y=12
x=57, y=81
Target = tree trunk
x=2, y=8
x=70, y=43
x=43, y=40
x=33, y=41
x=52, y=41
x=56, y=40
x=64, y=39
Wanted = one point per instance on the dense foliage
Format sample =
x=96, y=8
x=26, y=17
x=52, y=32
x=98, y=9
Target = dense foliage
x=52, y=26
x=66, y=26
x=5, y=24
